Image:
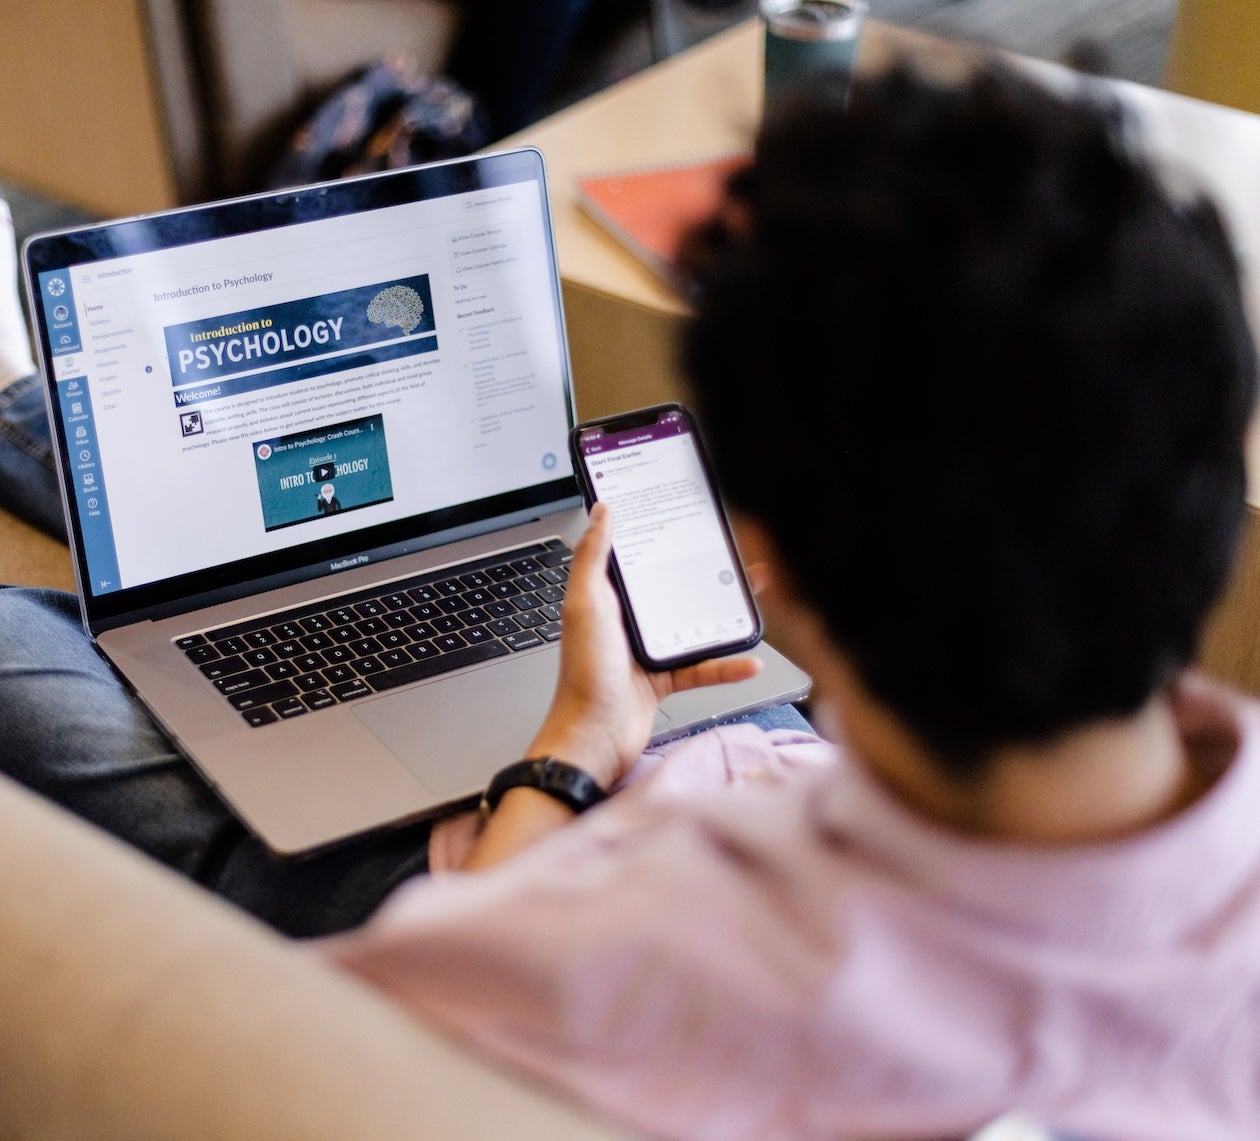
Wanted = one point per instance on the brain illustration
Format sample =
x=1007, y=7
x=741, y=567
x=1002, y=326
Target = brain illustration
x=396, y=305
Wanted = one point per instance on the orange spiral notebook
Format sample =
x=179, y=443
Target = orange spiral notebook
x=649, y=210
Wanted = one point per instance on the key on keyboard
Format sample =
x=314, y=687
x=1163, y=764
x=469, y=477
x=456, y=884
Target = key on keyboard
x=317, y=656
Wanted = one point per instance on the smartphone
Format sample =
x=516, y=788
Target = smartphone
x=674, y=563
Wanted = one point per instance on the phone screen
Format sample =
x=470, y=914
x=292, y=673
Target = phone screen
x=675, y=562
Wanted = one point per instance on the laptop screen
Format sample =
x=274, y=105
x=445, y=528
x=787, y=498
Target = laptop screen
x=273, y=387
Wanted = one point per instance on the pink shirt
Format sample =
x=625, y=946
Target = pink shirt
x=756, y=941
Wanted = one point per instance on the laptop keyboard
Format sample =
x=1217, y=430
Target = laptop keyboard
x=316, y=656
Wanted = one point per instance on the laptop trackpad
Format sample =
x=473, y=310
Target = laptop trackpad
x=454, y=733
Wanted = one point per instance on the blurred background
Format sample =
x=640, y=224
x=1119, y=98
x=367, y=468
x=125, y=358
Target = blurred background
x=182, y=101
x=1127, y=39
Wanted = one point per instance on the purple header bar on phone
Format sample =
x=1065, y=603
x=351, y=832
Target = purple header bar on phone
x=596, y=440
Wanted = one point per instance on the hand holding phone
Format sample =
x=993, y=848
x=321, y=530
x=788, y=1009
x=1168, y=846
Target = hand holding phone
x=683, y=590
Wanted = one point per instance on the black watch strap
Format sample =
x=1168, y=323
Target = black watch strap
x=566, y=783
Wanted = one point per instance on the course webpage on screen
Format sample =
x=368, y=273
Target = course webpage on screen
x=242, y=395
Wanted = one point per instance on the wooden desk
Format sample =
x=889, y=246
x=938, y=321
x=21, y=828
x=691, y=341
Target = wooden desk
x=707, y=101
x=1213, y=51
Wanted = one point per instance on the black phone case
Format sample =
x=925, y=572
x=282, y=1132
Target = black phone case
x=641, y=418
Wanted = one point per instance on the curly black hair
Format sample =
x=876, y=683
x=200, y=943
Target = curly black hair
x=985, y=380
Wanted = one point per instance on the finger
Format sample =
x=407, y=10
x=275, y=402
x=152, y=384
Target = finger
x=590, y=553
x=758, y=576
x=713, y=671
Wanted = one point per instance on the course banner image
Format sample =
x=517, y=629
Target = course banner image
x=311, y=475
x=222, y=356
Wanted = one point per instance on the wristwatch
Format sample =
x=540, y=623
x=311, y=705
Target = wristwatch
x=558, y=779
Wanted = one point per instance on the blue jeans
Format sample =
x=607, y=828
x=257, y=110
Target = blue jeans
x=71, y=731
x=28, y=478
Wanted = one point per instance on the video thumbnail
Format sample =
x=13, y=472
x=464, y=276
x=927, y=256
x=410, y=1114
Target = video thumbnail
x=323, y=471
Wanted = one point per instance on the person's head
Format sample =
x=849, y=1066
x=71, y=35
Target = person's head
x=984, y=382
x=327, y=492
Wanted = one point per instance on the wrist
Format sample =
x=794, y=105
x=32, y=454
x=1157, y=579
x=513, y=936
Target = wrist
x=568, y=785
x=582, y=740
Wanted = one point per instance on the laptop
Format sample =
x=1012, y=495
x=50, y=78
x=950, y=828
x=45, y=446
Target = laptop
x=314, y=464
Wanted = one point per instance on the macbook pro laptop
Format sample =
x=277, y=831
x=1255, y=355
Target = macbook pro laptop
x=313, y=452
